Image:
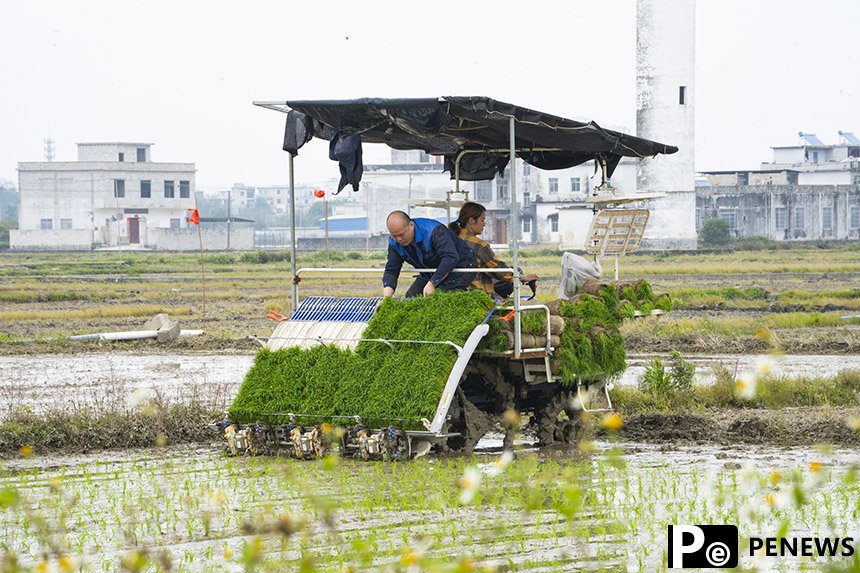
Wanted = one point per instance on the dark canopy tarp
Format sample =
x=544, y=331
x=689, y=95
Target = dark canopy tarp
x=448, y=125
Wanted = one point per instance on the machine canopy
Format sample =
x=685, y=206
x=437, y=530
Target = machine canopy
x=447, y=126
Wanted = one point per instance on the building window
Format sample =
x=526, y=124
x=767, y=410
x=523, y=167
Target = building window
x=527, y=199
x=119, y=187
x=800, y=218
x=502, y=188
x=423, y=157
x=553, y=185
x=553, y=223
x=730, y=216
x=46, y=224
x=141, y=155
x=781, y=217
x=827, y=219
x=682, y=95
x=121, y=156
x=815, y=157
x=145, y=189
x=168, y=189
x=65, y=224
x=184, y=190
x=175, y=223
x=575, y=185
x=854, y=217
x=483, y=191
x=527, y=225
x=526, y=168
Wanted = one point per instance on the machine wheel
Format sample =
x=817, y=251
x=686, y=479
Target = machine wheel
x=551, y=429
x=469, y=421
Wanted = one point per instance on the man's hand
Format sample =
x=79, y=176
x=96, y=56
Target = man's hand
x=387, y=291
x=429, y=288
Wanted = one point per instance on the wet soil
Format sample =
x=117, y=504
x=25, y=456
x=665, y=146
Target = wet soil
x=784, y=427
x=841, y=340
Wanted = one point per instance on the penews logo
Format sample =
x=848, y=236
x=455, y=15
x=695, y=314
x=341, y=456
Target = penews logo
x=698, y=546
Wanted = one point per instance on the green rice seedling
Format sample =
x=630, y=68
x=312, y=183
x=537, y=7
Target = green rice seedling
x=378, y=383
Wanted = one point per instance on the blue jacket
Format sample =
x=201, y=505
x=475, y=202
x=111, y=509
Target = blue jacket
x=435, y=246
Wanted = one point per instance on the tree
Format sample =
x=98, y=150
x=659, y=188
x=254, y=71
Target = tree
x=714, y=231
x=8, y=201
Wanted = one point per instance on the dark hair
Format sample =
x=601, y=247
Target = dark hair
x=469, y=210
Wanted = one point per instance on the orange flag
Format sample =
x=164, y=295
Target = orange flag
x=194, y=217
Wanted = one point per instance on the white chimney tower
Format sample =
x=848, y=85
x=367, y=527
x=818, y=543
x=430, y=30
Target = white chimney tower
x=665, y=112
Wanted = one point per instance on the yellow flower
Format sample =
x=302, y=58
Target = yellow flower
x=409, y=557
x=218, y=497
x=55, y=482
x=770, y=498
x=764, y=368
x=763, y=334
x=815, y=467
x=66, y=563
x=854, y=423
x=42, y=567
x=745, y=387
x=26, y=451
x=511, y=419
x=228, y=553
x=612, y=422
x=775, y=477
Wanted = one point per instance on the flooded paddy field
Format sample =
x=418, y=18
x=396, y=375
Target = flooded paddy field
x=43, y=382
x=604, y=506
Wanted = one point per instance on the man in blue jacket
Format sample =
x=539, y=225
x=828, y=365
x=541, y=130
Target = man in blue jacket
x=425, y=244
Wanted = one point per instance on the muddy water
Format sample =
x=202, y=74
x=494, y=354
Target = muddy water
x=46, y=382
x=196, y=505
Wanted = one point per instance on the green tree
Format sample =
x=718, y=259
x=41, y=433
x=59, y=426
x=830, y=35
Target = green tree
x=8, y=201
x=714, y=231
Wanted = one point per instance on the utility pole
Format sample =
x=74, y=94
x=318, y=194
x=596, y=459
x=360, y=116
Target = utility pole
x=229, y=203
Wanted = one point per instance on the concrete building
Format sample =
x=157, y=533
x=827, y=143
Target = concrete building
x=665, y=112
x=114, y=195
x=809, y=191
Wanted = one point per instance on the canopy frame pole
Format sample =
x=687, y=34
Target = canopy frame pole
x=295, y=285
x=515, y=239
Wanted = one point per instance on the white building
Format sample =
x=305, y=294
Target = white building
x=113, y=195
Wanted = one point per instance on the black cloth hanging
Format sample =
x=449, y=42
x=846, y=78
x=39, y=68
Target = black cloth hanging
x=299, y=130
x=346, y=150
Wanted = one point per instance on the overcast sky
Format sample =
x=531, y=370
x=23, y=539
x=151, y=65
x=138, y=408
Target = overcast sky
x=182, y=75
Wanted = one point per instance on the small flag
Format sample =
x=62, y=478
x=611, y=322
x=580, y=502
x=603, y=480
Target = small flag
x=319, y=193
x=194, y=218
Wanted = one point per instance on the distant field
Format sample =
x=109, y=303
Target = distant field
x=45, y=295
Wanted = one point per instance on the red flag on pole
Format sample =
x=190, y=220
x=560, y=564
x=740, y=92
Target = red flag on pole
x=194, y=217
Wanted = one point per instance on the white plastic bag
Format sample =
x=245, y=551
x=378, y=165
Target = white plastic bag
x=575, y=270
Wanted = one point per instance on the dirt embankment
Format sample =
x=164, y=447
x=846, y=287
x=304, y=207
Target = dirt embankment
x=841, y=340
x=783, y=427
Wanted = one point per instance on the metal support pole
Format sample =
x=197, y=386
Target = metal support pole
x=229, y=214
x=515, y=241
x=325, y=207
x=293, y=237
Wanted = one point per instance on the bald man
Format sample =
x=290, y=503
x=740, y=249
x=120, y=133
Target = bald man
x=425, y=244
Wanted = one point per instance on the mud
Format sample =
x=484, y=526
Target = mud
x=841, y=340
x=785, y=427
